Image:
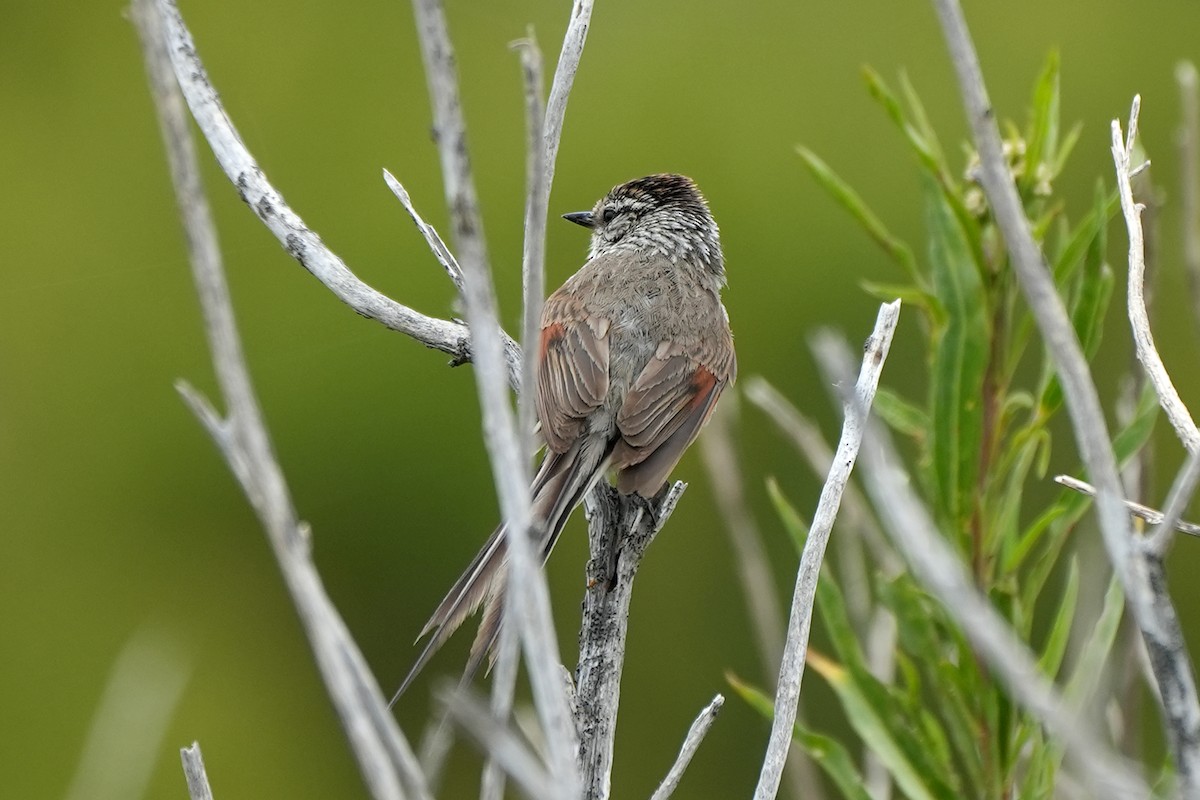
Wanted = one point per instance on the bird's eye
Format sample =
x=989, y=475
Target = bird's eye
x=608, y=215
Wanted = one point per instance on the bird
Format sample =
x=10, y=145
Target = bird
x=634, y=352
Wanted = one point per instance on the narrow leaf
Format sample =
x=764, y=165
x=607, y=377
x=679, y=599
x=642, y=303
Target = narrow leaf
x=1060, y=631
x=876, y=733
x=960, y=357
x=826, y=751
x=900, y=415
x=1041, y=141
x=853, y=203
x=793, y=523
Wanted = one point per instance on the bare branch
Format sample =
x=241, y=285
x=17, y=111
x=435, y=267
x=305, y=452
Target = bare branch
x=791, y=670
x=387, y=763
x=450, y=132
x=1148, y=602
x=533, y=257
x=298, y=239
x=620, y=529
x=193, y=771
x=1151, y=515
x=506, y=746
x=1139, y=319
x=758, y=584
x=691, y=743
x=941, y=571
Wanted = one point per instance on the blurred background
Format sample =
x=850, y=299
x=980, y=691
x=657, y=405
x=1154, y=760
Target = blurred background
x=120, y=523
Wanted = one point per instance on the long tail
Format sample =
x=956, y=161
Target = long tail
x=560, y=485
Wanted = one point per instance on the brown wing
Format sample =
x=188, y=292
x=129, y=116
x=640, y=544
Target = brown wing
x=665, y=409
x=572, y=375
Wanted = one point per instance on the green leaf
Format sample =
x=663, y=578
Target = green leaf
x=1002, y=530
x=1057, y=520
x=827, y=752
x=1039, y=777
x=793, y=523
x=832, y=607
x=880, y=733
x=900, y=415
x=920, y=118
x=953, y=680
x=832, y=757
x=1065, y=265
x=1085, y=232
x=1095, y=287
x=853, y=203
x=960, y=357
x=928, y=153
x=909, y=295
x=1060, y=631
x=1089, y=301
x=1041, y=141
x=752, y=695
x=1072, y=505
x=1065, y=149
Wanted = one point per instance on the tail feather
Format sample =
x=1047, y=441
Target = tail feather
x=577, y=482
x=561, y=482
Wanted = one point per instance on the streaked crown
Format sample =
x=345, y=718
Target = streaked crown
x=663, y=214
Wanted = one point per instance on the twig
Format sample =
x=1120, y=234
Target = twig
x=691, y=743
x=1151, y=515
x=450, y=132
x=193, y=772
x=503, y=744
x=1148, y=602
x=564, y=79
x=527, y=605
x=620, y=529
x=1189, y=176
x=387, y=763
x=440, y=251
x=1159, y=541
x=876, y=627
x=758, y=584
x=1139, y=319
x=941, y=571
x=1159, y=622
x=791, y=670
x=533, y=285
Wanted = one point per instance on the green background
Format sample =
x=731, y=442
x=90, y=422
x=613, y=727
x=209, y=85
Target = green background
x=116, y=514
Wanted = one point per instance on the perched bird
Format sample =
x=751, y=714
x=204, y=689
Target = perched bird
x=635, y=350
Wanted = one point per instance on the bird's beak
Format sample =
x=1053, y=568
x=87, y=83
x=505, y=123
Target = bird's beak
x=583, y=218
